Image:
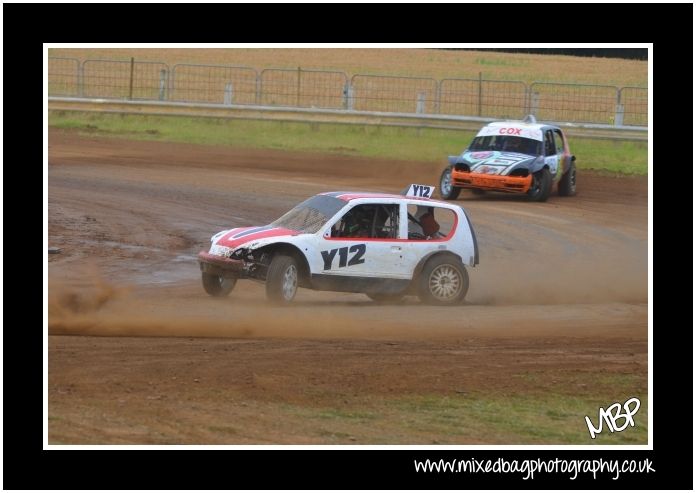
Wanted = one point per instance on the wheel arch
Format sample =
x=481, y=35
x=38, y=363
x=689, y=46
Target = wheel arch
x=421, y=264
x=293, y=251
x=454, y=190
x=537, y=165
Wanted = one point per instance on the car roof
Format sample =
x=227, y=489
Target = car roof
x=350, y=196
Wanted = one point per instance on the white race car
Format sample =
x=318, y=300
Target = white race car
x=386, y=246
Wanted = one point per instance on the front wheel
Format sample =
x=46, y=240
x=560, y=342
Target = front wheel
x=447, y=190
x=540, y=188
x=282, y=279
x=217, y=286
x=443, y=281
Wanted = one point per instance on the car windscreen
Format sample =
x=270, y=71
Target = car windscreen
x=310, y=215
x=507, y=143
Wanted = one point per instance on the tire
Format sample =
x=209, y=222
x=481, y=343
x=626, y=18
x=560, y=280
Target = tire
x=282, y=279
x=447, y=190
x=540, y=189
x=478, y=191
x=443, y=281
x=217, y=286
x=566, y=187
x=385, y=298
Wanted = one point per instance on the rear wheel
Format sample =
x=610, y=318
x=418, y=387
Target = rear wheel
x=540, y=188
x=447, y=190
x=443, y=281
x=282, y=279
x=217, y=286
x=566, y=187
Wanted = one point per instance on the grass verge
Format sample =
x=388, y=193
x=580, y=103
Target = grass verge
x=541, y=407
x=554, y=415
x=417, y=144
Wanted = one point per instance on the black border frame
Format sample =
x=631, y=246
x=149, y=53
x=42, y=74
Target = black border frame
x=321, y=469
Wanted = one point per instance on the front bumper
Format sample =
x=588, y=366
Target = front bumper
x=220, y=266
x=513, y=184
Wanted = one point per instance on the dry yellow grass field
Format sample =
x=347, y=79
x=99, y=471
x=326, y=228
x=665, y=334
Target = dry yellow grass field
x=412, y=62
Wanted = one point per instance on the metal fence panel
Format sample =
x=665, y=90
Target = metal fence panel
x=213, y=84
x=224, y=84
x=303, y=88
x=487, y=98
x=393, y=94
x=63, y=76
x=582, y=103
x=112, y=79
x=634, y=101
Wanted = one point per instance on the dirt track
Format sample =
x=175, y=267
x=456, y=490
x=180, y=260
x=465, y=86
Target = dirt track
x=561, y=288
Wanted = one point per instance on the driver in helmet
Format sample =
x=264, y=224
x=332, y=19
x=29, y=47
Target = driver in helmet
x=356, y=224
x=513, y=144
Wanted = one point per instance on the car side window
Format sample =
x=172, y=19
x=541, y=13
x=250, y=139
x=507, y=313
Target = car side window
x=368, y=221
x=559, y=141
x=549, y=146
x=429, y=223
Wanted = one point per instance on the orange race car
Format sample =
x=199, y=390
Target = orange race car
x=523, y=157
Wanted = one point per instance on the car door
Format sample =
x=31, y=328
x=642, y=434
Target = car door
x=550, y=153
x=421, y=244
x=372, y=249
x=563, y=158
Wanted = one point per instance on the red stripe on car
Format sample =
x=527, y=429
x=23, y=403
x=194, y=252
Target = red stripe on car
x=229, y=241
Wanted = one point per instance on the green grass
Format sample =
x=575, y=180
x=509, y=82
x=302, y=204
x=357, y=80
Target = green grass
x=551, y=418
x=552, y=411
x=360, y=140
x=540, y=407
x=358, y=416
x=548, y=418
x=625, y=157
